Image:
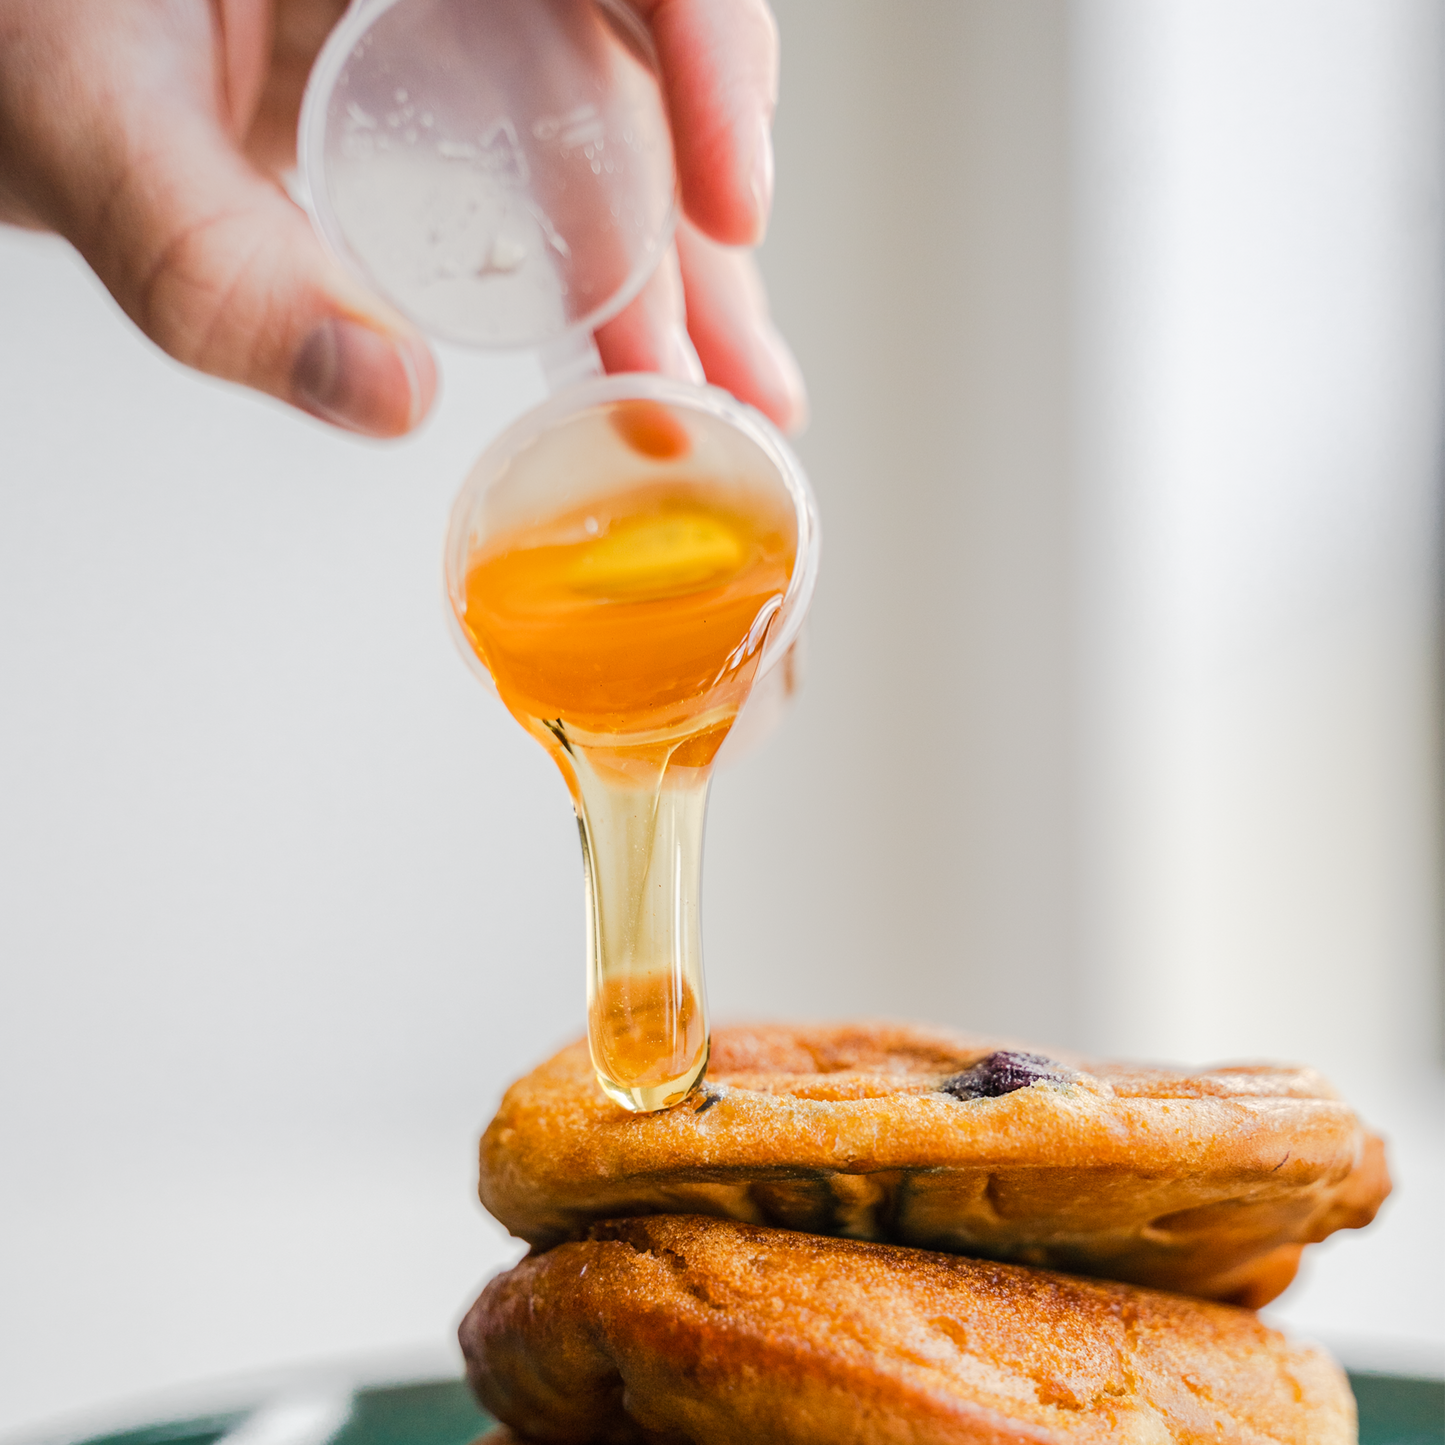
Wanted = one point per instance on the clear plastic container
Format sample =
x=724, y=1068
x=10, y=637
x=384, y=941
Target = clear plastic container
x=552, y=459
x=502, y=172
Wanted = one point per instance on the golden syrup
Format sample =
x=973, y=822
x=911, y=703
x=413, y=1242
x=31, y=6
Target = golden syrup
x=624, y=634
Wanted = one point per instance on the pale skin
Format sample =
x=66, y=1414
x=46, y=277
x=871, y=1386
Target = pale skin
x=152, y=135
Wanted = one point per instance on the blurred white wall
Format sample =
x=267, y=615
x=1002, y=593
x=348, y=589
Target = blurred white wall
x=1122, y=322
x=1258, y=374
x=918, y=858
x=1258, y=364
x=286, y=899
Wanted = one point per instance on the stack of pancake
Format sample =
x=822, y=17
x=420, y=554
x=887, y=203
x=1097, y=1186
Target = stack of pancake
x=858, y=1234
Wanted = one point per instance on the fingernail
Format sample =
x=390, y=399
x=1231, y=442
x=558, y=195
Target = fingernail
x=762, y=177
x=358, y=378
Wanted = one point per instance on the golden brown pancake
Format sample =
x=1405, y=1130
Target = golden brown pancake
x=1207, y=1182
x=695, y=1331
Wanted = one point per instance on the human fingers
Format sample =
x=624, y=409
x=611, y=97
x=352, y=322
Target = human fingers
x=650, y=333
x=719, y=63
x=728, y=320
x=219, y=268
x=139, y=169
x=704, y=314
x=300, y=29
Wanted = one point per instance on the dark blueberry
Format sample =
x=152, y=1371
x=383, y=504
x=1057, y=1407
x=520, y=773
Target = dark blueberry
x=1002, y=1073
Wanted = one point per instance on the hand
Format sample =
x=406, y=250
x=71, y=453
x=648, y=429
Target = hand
x=151, y=133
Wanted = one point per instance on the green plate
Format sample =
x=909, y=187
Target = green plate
x=428, y=1412
x=1393, y=1411
x=1396, y=1411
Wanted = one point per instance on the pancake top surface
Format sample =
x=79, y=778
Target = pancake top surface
x=882, y=1096
x=1070, y=1158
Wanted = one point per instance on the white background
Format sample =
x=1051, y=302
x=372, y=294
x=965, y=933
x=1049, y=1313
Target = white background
x=1123, y=327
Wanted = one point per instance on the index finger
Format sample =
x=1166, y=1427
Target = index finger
x=720, y=75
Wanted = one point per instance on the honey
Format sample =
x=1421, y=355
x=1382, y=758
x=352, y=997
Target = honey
x=624, y=632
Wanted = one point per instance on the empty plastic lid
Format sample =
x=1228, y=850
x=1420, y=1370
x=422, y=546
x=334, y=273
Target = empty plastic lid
x=501, y=171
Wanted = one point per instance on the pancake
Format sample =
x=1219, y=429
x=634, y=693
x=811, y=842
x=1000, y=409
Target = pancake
x=1209, y=1183
x=696, y=1331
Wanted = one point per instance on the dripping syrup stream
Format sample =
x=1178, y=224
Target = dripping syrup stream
x=625, y=636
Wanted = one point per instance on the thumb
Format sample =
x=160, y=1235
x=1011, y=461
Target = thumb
x=218, y=267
